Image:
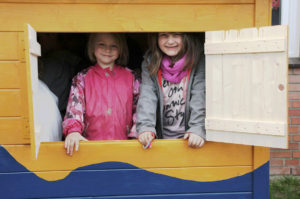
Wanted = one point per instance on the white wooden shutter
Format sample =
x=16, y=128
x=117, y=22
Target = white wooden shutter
x=246, y=86
x=33, y=50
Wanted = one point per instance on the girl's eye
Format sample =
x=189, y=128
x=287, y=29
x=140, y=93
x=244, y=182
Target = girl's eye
x=177, y=34
x=162, y=35
x=114, y=47
x=101, y=44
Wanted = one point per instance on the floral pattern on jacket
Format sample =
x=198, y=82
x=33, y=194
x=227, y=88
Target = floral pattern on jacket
x=74, y=118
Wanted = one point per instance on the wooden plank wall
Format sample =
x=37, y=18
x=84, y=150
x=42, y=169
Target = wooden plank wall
x=13, y=90
x=206, y=166
x=128, y=16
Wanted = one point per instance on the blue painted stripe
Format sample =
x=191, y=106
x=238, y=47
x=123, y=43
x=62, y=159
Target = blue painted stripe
x=8, y=164
x=261, y=182
x=238, y=195
x=115, y=182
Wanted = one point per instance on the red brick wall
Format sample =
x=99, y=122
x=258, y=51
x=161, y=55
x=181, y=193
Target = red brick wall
x=285, y=162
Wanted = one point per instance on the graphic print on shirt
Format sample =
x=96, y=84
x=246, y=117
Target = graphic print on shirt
x=174, y=108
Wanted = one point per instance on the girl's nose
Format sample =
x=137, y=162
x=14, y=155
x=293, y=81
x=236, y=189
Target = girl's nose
x=107, y=49
x=171, y=39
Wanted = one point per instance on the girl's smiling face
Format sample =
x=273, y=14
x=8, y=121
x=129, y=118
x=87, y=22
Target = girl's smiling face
x=170, y=43
x=106, y=50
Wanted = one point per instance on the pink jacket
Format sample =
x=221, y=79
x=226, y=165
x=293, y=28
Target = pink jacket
x=101, y=103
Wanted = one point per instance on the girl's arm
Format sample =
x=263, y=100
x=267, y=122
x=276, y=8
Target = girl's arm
x=197, y=101
x=136, y=93
x=147, y=104
x=74, y=118
x=73, y=124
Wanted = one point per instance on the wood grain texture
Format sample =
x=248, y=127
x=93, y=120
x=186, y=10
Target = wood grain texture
x=165, y=154
x=13, y=130
x=9, y=49
x=252, y=88
x=263, y=12
x=133, y=1
x=260, y=46
x=246, y=126
x=32, y=51
x=10, y=74
x=10, y=103
x=172, y=154
x=125, y=17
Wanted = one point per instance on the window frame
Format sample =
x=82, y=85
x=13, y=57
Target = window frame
x=290, y=16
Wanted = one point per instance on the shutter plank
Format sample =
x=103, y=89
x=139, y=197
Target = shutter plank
x=214, y=74
x=253, y=86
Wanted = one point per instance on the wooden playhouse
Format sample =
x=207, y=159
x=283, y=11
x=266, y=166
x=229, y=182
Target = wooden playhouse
x=246, y=94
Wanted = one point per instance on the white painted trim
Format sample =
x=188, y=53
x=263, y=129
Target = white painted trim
x=247, y=139
x=242, y=47
x=290, y=15
x=246, y=126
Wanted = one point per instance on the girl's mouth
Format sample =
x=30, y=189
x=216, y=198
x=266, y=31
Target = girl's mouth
x=171, y=47
x=106, y=55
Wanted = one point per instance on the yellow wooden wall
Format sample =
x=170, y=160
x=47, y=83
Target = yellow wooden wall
x=213, y=162
x=14, y=117
x=100, y=16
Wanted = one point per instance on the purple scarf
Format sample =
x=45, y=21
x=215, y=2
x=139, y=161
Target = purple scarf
x=173, y=74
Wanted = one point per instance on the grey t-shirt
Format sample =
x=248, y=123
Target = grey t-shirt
x=174, y=108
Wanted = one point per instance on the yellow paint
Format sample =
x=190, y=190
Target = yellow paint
x=263, y=10
x=125, y=17
x=215, y=161
x=13, y=90
x=204, y=174
x=235, y=159
x=10, y=102
x=132, y=1
x=10, y=74
x=11, y=130
x=9, y=45
x=260, y=155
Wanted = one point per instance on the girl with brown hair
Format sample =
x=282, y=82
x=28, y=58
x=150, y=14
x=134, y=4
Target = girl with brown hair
x=172, y=98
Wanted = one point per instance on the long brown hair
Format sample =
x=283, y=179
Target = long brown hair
x=121, y=43
x=190, y=47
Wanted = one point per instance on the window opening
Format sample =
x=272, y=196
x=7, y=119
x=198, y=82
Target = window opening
x=65, y=54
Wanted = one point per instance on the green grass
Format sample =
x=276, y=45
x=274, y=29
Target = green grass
x=287, y=187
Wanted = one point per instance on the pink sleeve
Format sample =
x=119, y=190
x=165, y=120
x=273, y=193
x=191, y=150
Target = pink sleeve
x=136, y=93
x=74, y=118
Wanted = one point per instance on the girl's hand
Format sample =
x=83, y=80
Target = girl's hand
x=195, y=141
x=146, y=138
x=71, y=140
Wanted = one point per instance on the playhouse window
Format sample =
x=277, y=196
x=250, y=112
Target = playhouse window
x=63, y=55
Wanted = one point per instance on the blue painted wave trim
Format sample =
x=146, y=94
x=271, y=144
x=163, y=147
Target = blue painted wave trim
x=108, y=179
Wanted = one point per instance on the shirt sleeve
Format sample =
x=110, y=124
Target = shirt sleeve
x=147, y=104
x=74, y=118
x=136, y=93
x=197, y=102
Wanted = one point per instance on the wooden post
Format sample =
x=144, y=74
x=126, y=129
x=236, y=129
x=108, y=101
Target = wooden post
x=263, y=18
x=260, y=175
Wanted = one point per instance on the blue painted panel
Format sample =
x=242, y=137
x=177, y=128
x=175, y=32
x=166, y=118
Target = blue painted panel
x=238, y=195
x=8, y=163
x=261, y=182
x=114, y=182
